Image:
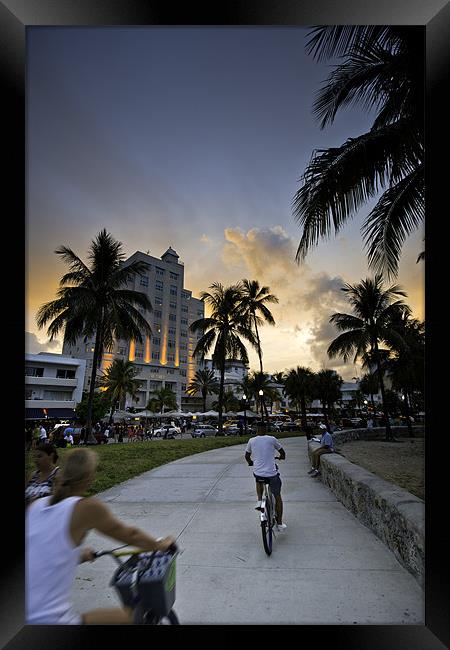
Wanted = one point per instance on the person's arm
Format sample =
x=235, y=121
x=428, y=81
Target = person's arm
x=93, y=514
x=248, y=458
x=282, y=453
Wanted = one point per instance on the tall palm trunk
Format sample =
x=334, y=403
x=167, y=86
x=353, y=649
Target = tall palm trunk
x=389, y=435
x=258, y=343
x=204, y=395
x=373, y=404
x=90, y=438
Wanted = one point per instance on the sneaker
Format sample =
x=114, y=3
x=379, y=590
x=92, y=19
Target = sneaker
x=315, y=473
x=281, y=527
x=311, y=471
x=258, y=506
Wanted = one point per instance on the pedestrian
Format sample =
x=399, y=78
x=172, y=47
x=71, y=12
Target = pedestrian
x=55, y=529
x=326, y=447
x=40, y=482
x=262, y=448
x=42, y=433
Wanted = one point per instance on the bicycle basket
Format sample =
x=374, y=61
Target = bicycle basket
x=148, y=578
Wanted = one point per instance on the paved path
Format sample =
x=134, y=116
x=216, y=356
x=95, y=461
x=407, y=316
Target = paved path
x=327, y=568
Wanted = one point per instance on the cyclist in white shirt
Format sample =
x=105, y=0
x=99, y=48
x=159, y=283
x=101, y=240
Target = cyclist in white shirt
x=262, y=448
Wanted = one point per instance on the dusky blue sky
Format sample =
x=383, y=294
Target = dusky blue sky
x=194, y=138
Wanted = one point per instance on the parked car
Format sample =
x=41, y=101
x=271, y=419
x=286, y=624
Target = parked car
x=289, y=426
x=167, y=431
x=203, y=430
x=232, y=430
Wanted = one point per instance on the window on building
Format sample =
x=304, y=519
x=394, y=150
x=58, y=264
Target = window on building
x=185, y=310
x=157, y=313
x=62, y=373
x=28, y=393
x=183, y=372
x=173, y=276
x=58, y=395
x=183, y=346
x=183, y=360
x=159, y=271
x=155, y=385
x=158, y=302
x=170, y=358
x=185, y=295
x=155, y=355
x=170, y=371
x=139, y=354
x=158, y=329
x=173, y=290
x=30, y=371
x=155, y=371
x=156, y=341
x=159, y=286
x=172, y=317
x=173, y=305
x=171, y=384
x=143, y=281
x=184, y=321
x=170, y=343
x=183, y=387
x=183, y=333
x=172, y=331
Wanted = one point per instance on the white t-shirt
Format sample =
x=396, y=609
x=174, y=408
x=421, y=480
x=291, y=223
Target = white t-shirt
x=42, y=433
x=262, y=449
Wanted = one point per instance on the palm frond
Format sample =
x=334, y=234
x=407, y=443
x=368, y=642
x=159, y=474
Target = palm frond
x=398, y=213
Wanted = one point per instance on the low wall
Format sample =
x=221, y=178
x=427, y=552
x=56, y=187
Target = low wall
x=396, y=516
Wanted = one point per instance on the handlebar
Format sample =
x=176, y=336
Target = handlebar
x=116, y=552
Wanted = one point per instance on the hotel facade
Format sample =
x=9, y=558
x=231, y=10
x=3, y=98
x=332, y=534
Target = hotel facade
x=164, y=359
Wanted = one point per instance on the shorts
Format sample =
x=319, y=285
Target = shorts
x=274, y=482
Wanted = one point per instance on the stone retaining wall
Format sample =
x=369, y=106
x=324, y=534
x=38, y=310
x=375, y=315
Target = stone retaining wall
x=396, y=516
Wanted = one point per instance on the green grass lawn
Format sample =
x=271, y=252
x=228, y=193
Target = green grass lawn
x=120, y=462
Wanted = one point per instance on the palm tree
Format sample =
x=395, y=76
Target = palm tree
x=204, y=382
x=256, y=382
x=119, y=381
x=163, y=397
x=369, y=386
x=370, y=324
x=383, y=69
x=406, y=364
x=97, y=303
x=299, y=387
x=254, y=298
x=229, y=402
x=327, y=388
x=223, y=330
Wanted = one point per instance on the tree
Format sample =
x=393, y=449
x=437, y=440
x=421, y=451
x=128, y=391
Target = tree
x=204, y=382
x=100, y=405
x=327, y=388
x=230, y=402
x=162, y=398
x=256, y=382
x=406, y=364
x=369, y=325
x=369, y=386
x=97, y=304
x=383, y=69
x=223, y=331
x=299, y=387
x=118, y=382
x=254, y=298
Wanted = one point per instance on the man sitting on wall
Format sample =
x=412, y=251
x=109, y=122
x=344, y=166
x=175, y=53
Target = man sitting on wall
x=326, y=447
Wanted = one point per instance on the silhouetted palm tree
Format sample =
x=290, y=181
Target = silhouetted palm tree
x=369, y=325
x=204, y=382
x=254, y=298
x=162, y=398
x=327, y=388
x=223, y=331
x=383, y=69
x=97, y=303
x=299, y=387
x=256, y=382
x=118, y=382
x=369, y=386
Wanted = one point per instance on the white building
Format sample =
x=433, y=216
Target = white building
x=53, y=385
x=164, y=359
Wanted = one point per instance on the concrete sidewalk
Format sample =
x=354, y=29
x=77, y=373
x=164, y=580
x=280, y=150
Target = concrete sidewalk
x=326, y=568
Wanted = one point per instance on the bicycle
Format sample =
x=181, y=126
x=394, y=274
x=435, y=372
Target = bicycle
x=146, y=583
x=268, y=515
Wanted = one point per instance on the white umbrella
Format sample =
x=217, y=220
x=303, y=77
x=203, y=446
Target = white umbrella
x=147, y=414
x=212, y=414
x=248, y=414
x=230, y=414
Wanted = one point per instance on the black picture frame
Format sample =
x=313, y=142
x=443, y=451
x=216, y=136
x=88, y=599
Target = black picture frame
x=15, y=17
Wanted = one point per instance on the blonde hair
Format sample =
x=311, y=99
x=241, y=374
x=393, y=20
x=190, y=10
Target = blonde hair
x=79, y=465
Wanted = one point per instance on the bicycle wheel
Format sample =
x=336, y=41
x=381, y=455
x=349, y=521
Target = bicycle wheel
x=171, y=617
x=266, y=528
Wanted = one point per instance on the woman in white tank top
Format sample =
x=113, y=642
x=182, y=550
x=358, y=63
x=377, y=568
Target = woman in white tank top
x=55, y=528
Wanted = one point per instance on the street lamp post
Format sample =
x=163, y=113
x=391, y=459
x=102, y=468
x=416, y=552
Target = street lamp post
x=244, y=397
x=261, y=394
